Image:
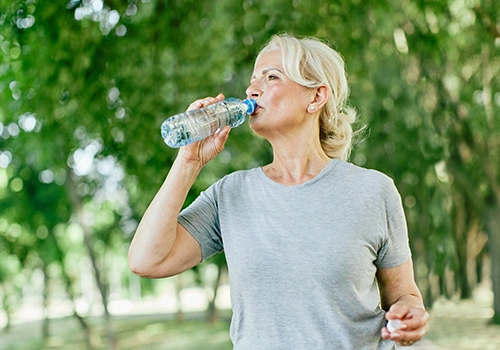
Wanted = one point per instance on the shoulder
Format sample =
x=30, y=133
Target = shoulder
x=235, y=180
x=367, y=180
x=360, y=175
x=239, y=176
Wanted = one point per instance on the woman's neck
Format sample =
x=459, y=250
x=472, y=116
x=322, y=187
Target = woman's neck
x=296, y=165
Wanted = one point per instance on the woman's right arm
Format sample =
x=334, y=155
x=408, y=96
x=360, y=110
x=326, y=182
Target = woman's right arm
x=161, y=247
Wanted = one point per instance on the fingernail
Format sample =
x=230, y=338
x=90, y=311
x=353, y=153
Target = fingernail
x=395, y=335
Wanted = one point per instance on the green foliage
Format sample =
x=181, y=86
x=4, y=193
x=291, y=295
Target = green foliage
x=84, y=92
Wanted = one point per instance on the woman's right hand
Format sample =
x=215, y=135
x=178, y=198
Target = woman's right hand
x=205, y=150
x=161, y=247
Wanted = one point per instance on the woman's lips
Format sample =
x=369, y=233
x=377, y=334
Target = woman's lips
x=257, y=110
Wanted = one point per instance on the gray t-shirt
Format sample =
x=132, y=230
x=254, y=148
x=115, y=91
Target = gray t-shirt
x=302, y=259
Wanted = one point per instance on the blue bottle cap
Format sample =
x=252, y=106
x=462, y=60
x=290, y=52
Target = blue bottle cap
x=252, y=105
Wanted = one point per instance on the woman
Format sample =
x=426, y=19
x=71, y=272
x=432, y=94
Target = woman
x=317, y=248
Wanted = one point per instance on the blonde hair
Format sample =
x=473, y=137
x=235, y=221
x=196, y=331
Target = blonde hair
x=311, y=63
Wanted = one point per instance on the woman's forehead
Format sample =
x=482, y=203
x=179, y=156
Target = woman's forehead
x=269, y=59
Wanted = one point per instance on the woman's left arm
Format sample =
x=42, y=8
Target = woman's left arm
x=402, y=300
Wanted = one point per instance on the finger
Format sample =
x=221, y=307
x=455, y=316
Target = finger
x=416, y=319
x=214, y=144
x=402, y=337
x=195, y=105
x=222, y=136
x=219, y=137
x=204, y=102
x=220, y=97
x=397, y=311
x=385, y=333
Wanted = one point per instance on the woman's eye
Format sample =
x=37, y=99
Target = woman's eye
x=272, y=77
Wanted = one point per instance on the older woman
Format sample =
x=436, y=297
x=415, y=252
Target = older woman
x=317, y=248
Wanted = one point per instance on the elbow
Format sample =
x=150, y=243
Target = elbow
x=142, y=268
x=135, y=266
x=138, y=266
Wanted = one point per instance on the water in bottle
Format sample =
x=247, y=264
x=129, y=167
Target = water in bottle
x=191, y=126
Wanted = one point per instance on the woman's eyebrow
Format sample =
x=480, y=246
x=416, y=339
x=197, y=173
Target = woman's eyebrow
x=266, y=70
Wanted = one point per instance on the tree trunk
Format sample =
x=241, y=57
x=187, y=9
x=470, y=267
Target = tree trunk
x=460, y=234
x=491, y=169
x=493, y=224
x=87, y=334
x=101, y=286
x=480, y=267
x=77, y=209
x=46, y=321
x=178, y=287
x=6, y=308
x=212, y=309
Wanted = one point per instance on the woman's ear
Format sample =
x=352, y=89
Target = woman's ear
x=321, y=96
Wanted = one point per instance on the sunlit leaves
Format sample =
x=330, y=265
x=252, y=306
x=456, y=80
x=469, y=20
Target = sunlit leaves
x=85, y=86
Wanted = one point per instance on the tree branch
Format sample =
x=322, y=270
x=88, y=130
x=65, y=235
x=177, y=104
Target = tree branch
x=489, y=22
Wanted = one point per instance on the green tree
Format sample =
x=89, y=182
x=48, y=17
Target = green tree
x=85, y=86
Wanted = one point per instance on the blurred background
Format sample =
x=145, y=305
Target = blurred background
x=86, y=84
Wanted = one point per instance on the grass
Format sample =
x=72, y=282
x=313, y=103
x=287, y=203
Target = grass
x=152, y=332
x=457, y=325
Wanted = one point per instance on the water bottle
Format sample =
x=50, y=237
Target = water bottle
x=191, y=126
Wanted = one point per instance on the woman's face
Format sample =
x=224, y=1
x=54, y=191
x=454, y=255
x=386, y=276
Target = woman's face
x=282, y=102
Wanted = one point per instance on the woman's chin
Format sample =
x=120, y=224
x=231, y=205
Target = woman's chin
x=255, y=124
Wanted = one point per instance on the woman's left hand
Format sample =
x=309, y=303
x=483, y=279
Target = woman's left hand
x=413, y=326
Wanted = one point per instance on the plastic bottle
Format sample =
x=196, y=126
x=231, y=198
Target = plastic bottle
x=191, y=126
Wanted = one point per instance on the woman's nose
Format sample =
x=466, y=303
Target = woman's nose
x=252, y=91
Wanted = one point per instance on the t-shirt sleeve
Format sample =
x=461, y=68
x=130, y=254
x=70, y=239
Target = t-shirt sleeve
x=395, y=249
x=201, y=220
